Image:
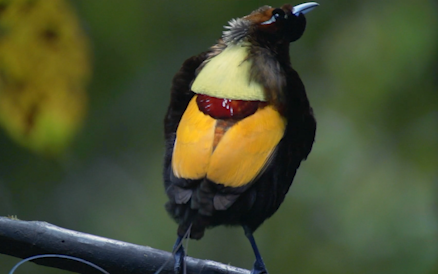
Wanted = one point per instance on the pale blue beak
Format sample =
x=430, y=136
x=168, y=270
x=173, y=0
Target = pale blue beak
x=304, y=8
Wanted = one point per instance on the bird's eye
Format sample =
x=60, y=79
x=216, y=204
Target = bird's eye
x=277, y=14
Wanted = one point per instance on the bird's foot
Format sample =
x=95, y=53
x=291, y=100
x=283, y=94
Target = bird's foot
x=179, y=266
x=259, y=268
x=179, y=255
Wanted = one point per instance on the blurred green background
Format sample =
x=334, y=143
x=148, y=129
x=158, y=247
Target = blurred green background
x=365, y=201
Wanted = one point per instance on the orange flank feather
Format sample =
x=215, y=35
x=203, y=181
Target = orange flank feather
x=246, y=147
x=193, y=144
x=237, y=157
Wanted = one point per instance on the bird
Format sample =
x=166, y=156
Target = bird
x=237, y=128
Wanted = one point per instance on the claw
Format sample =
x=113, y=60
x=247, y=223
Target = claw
x=259, y=268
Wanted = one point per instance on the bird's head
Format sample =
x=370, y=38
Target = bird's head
x=251, y=60
x=269, y=26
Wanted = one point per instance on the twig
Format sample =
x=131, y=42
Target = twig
x=23, y=239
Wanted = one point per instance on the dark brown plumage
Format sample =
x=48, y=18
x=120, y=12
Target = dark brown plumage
x=200, y=203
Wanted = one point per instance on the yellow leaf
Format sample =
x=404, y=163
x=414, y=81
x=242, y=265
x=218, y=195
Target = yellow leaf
x=44, y=69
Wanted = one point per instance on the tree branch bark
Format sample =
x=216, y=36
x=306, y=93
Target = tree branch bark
x=23, y=239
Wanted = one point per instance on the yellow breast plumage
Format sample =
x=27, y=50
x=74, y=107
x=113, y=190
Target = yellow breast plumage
x=227, y=75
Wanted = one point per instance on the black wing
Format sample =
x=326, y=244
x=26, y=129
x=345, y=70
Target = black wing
x=180, y=93
x=269, y=191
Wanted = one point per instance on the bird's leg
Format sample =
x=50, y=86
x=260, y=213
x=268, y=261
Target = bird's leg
x=178, y=249
x=259, y=266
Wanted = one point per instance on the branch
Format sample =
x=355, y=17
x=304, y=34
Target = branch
x=24, y=239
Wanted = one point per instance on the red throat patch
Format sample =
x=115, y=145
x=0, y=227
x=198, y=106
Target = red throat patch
x=220, y=108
